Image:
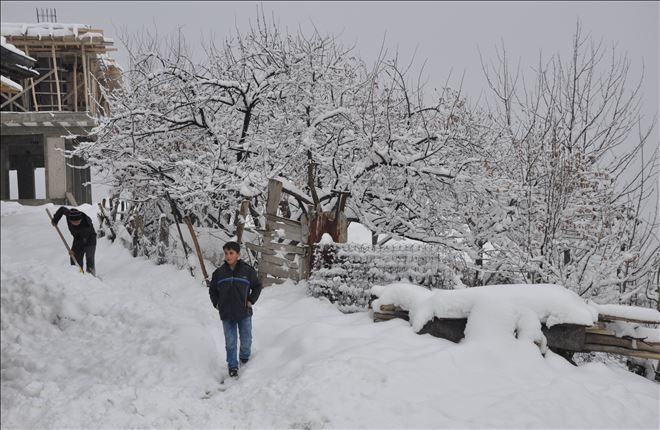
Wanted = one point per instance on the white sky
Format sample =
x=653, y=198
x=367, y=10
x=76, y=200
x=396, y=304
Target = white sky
x=448, y=35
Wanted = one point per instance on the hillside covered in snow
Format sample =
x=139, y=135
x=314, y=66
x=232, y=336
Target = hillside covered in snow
x=141, y=345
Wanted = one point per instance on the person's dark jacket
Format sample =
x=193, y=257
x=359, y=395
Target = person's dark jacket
x=83, y=233
x=230, y=290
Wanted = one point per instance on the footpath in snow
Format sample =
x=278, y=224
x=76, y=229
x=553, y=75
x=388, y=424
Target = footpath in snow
x=140, y=347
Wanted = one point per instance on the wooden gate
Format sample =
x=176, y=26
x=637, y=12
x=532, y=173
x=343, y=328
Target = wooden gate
x=284, y=251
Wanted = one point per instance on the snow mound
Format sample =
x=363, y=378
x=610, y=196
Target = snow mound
x=494, y=310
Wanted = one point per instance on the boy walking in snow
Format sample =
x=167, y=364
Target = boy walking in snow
x=233, y=289
x=84, y=236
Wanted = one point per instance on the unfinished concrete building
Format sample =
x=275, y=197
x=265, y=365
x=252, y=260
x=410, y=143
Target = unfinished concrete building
x=50, y=112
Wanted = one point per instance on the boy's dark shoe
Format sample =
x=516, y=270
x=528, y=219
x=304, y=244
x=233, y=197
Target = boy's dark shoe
x=233, y=373
x=244, y=360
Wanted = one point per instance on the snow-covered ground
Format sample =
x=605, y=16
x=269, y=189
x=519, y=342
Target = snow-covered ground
x=140, y=347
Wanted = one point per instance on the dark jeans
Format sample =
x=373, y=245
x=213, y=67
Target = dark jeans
x=244, y=329
x=80, y=250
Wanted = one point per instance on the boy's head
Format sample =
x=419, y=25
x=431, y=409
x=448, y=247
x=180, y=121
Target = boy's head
x=232, y=252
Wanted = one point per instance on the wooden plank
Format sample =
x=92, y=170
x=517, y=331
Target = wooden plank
x=623, y=351
x=283, y=262
x=277, y=271
x=273, y=248
x=391, y=308
x=596, y=329
x=274, y=194
x=75, y=83
x=85, y=86
x=304, y=221
x=279, y=220
x=57, y=79
x=633, y=344
x=306, y=262
x=380, y=316
x=71, y=199
x=289, y=233
x=32, y=86
x=606, y=317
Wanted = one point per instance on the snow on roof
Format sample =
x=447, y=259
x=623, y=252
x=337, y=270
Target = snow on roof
x=12, y=48
x=491, y=310
x=46, y=29
x=10, y=86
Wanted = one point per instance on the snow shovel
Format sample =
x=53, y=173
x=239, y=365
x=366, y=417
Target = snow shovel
x=64, y=240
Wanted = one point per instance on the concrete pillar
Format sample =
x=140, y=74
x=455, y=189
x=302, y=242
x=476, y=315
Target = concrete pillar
x=55, y=168
x=4, y=172
x=25, y=174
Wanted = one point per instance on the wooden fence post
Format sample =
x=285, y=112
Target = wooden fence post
x=274, y=195
x=163, y=238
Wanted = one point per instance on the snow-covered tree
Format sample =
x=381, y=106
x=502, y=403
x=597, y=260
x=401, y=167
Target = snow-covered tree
x=576, y=208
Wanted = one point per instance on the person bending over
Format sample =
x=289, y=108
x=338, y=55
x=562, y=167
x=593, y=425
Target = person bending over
x=84, y=236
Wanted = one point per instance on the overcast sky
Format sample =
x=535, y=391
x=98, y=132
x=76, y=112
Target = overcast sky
x=449, y=35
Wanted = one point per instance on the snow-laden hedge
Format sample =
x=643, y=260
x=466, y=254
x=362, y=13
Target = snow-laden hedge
x=344, y=273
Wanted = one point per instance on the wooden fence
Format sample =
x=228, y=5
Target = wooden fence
x=284, y=251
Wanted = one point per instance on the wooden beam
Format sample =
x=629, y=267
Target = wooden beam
x=277, y=271
x=282, y=262
x=75, y=84
x=620, y=350
x=286, y=221
x=13, y=103
x=606, y=317
x=386, y=316
x=634, y=344
x=391, y=308
x=57, y=79
x=273, y=247
x=274, y=194
x=84, y=61
x=95, y=87
x=290, y=233
x=31, y=87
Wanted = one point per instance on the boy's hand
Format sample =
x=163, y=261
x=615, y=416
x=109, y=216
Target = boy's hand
x=249, y=304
